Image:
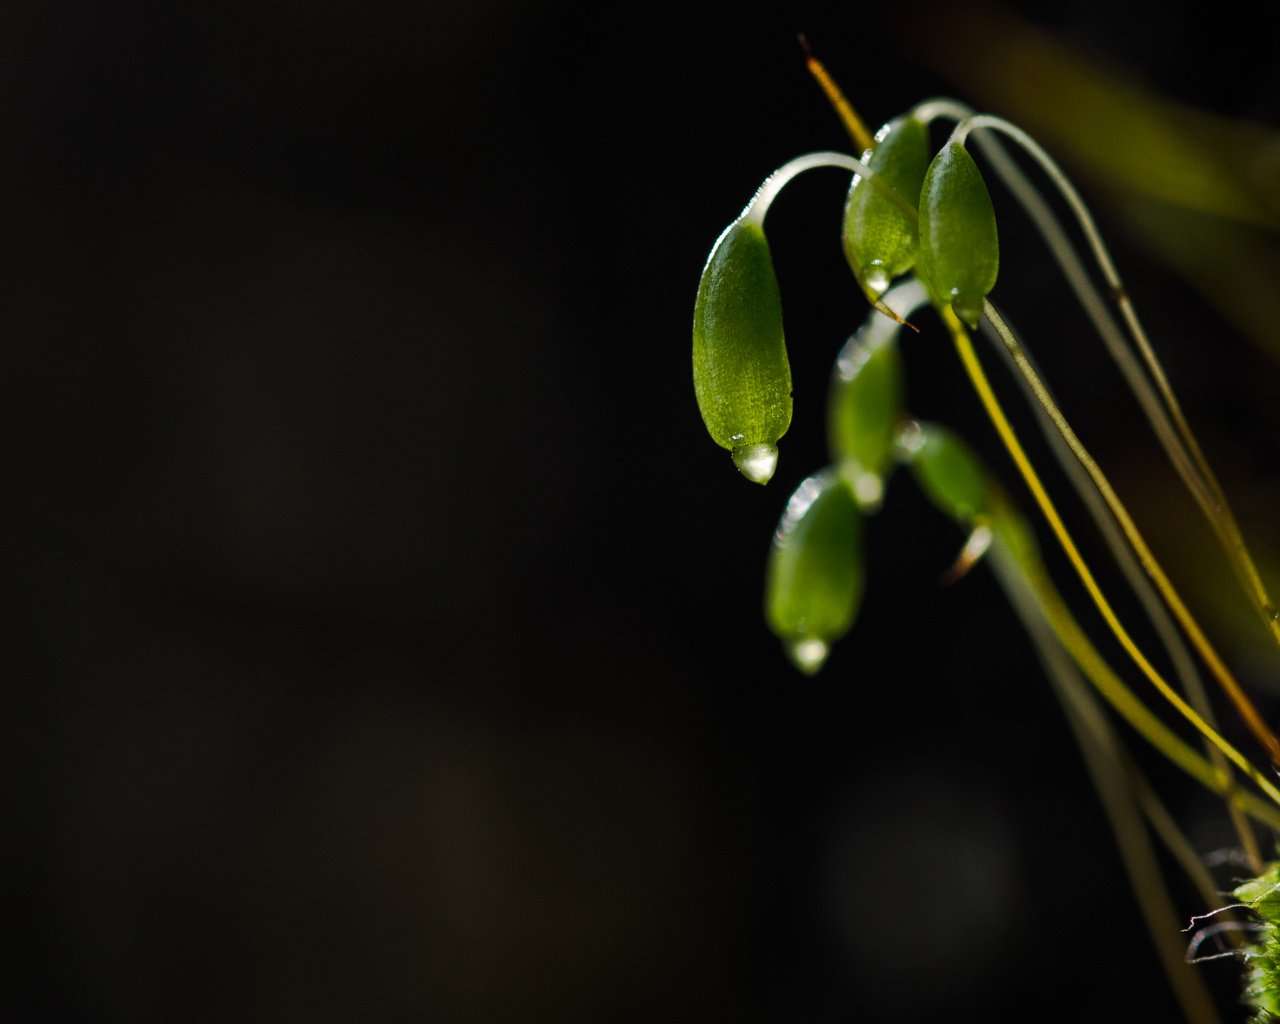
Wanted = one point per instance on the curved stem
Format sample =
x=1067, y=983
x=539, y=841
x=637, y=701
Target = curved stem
x=1121, y=790
x=1202, y=489
x=1183, y=664
x=1178, y=440
x=768, y=191
x=964, y=347
x=1071, y=636
x=941, y=106
x=1244, y=706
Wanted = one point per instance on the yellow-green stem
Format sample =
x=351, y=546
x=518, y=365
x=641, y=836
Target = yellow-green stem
x=1112, y=689
x=964, y=348
x=1119, y=788
x=1244, y=706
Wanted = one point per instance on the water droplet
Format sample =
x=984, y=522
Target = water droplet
x=809, y=654
x=756, y=462
x=874, y=278
x=869, y=490
x=910, y=439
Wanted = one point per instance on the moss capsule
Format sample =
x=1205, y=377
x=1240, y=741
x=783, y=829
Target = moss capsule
x=741, y=375
x=814, y=576
x=959, y=251
x=880, y=238
x=865, y=405
x=947, y=469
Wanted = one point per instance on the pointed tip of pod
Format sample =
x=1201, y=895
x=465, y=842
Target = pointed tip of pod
x=808, y=654
x=968, y=308
x=757, y=462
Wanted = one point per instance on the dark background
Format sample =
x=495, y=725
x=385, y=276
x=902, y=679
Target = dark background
x=386, y=641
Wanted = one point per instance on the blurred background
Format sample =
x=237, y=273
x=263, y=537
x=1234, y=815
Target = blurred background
x=388, y=642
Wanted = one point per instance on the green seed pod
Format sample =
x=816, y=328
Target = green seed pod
x=741, y=375
x=880, y=237
x=814, y=575
x=947, y=469
x=865, y=405
x=959, y=252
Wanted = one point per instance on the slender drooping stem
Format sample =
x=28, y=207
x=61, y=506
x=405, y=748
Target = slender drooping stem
x=1244, y=706
x=1091, y=300
x=1064, y=252
x=978, y=378
x=759, y=206
x=1183, y=664
x=1183, y=450
x=1113, y=779
x=1178, y=440
x=768, y=191
x=1072, y=638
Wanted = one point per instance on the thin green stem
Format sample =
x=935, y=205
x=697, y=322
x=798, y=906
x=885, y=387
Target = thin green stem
x=1183, y=664
x=1244, y=706
x=1114, y=782
x=768, y=191
x=1177, y=439
x=1064, y=252
x=1072, y=637
x=978, y=378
